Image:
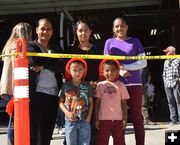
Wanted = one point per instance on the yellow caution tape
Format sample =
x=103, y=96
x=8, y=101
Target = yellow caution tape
x=59, y=55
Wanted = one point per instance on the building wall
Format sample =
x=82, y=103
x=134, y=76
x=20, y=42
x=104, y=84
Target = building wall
x=177, y=31
x=141, y=21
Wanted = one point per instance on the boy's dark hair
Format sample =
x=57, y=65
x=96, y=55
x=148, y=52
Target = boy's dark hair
x=111, y=62
x=78, y=62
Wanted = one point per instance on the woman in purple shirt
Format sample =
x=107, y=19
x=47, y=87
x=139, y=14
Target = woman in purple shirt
x=123, y=45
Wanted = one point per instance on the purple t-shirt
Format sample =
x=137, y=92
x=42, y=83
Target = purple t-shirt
x=128, y=47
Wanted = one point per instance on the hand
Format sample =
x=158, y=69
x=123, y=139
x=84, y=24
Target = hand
x=88, y=119
x=36, y=68
x=124, y=124
x=6, y=97
x=125, y=73
x=93, y=84
x=71, y=116
x=97, y=124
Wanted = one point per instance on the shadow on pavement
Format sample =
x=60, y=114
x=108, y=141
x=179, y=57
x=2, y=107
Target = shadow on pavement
x=158, y=126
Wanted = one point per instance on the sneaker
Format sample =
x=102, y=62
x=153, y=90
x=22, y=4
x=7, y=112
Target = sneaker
x=173, y=123
x=62, y=131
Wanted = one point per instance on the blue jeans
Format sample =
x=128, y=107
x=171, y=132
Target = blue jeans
x=10, y=131
x=78, y=132
x=173, y=97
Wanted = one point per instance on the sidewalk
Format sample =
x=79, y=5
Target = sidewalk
x=154, y=135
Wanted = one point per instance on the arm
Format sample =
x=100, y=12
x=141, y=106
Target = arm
x=137, y=65
x=106, y=48
x=124, y=97
x=54, y=64
x=164, y=72
x=90, y=109
x=69, y=115
x=31, y=48
x=124, y=112
x=39, y=63
x=97, y=104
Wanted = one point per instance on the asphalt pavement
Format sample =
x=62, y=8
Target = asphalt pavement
x=154, y=134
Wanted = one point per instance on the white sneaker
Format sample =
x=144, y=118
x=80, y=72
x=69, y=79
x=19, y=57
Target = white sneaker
x=173, y=123
x=62, y=131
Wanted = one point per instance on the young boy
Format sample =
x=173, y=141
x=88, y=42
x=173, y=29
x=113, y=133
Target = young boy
x=77, y=103
x=111, y=105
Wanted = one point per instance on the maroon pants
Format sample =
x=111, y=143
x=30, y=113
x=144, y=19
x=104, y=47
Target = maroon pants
x=107, y=128
x=135, y=107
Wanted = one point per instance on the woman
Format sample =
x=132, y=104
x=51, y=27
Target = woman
x=45, y=82
x=21, y=30
x=123, y=45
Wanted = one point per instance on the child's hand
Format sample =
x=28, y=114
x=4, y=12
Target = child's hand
x=71, y=116
x=4, y=96
x=88, y=119
x=93, y=84
x=36, y=68
x=125, y=73
x=124, y=124
x=97, y=124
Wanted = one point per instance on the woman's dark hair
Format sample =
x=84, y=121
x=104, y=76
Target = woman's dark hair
x=85, y=21
x=44, y=19
x=121, y=18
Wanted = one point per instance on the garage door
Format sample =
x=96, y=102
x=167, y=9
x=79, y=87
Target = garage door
x=34, y=6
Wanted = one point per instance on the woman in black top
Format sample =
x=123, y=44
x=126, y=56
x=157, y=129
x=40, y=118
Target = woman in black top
x=45, y=82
